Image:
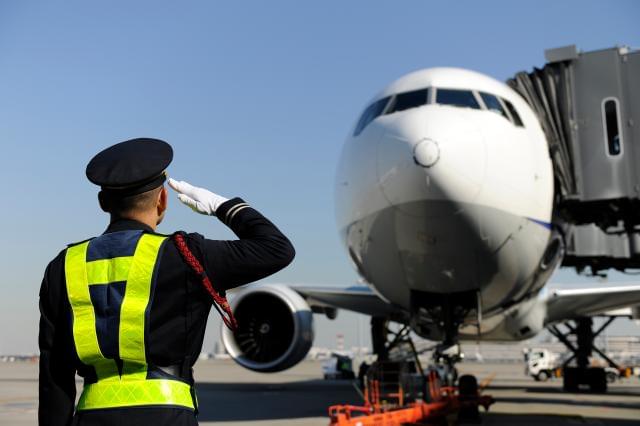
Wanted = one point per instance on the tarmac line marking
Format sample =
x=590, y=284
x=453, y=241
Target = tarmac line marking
x=16, y=399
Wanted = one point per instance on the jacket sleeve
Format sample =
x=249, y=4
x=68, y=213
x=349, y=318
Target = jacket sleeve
x=57, y=388
x=260, y=251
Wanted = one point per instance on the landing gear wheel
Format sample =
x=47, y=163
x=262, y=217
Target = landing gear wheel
x=468, y=392
x=468, y=385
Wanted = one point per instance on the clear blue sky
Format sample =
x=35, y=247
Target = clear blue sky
x=255, y=97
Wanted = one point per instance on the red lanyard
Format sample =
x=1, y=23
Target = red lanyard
x=219, y=301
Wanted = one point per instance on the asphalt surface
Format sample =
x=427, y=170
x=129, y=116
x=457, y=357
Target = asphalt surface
x=230, y=395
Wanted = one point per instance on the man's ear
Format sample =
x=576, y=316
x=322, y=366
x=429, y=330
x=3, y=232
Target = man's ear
x=163, y=198
x=103, y=202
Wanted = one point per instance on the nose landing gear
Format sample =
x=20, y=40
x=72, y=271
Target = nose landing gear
x=430, y=394
x=445, y=357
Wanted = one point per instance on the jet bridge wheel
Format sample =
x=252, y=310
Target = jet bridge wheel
x=597, y=380
x=570, y=379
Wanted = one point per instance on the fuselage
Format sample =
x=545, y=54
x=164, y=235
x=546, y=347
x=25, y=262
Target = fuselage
x=445, y=186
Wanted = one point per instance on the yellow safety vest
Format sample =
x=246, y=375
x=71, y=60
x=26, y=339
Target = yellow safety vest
x=126, y=261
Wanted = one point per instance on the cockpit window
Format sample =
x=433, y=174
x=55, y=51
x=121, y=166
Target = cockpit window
x=514, y=114
x=459, y=98
x=371, y=113
x=493, y=104
x=407, y=100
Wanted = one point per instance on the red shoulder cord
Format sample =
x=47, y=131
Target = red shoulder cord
x=219, y=301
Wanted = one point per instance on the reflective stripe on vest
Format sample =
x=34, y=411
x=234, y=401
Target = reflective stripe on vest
x=130, y=387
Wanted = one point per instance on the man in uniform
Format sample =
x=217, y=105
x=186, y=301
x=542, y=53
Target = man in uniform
x=126, y=311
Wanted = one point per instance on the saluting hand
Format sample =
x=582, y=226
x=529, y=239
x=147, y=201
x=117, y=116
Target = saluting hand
x=199, y=199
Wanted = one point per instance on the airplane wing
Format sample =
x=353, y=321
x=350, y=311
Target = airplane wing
x=357, y=298
x=561, y=303
x=571, y=303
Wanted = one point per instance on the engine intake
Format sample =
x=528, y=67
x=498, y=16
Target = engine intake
x=275, y=328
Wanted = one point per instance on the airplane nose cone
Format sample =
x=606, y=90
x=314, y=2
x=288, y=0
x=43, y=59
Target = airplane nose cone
x=434, y=155
x=426, y=153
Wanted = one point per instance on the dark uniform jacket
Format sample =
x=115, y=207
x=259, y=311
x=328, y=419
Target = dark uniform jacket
x=178, y=315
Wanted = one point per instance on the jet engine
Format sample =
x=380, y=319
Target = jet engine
x=275, y=328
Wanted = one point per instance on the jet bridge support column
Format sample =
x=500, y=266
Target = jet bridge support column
x=582, y=349
x=585, y=336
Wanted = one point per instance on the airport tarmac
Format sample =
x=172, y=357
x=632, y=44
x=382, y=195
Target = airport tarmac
x=230, y=395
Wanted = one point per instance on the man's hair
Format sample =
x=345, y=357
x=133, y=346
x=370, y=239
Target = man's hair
x=122, y=206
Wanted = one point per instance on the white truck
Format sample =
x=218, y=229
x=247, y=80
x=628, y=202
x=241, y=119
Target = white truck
x=542, y=364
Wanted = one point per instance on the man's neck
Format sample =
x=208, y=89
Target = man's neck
x=147, y=219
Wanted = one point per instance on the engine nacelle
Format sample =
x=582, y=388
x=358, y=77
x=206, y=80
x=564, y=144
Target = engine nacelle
x=275, y=328
x=527, y=319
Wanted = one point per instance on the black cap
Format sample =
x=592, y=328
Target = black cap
x=131, y=167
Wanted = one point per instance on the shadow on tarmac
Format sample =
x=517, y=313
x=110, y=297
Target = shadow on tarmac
x=311, y=398
x=490, y=419
x=629, y=391
x=600, y=403
x=270, y=401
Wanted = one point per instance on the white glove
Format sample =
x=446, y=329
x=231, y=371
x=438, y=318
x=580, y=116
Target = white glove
x=199, y=199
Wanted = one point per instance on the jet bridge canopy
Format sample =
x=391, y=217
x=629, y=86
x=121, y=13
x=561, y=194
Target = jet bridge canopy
x=588, y=104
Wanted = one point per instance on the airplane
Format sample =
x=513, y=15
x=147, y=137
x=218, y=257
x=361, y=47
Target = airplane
x=444, y=201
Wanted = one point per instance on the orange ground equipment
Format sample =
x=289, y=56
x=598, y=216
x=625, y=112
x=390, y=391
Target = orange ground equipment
x=397, y=394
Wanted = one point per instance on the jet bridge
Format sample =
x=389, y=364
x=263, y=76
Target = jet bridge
x=588, y=104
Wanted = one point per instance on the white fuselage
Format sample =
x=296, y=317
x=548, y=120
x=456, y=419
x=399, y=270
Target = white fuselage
x=448, y=196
